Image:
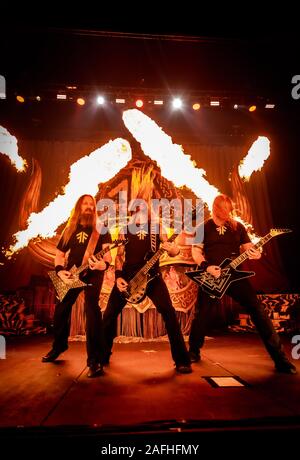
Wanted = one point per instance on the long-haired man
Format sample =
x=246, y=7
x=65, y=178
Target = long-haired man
x=224, y=237
x=130, y=259
x=78, y=244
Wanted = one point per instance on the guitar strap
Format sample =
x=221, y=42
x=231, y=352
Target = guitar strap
x=153, y=237
x=90, y=249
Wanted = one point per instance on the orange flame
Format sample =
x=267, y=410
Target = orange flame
x=250, y=230
x=255, y=158
x=85, y=175
x=175, y=165
x=106, y=161
x=9, y=147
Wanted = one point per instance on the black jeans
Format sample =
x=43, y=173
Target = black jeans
x=94, y=325
x=158, y=292
x=243, y=293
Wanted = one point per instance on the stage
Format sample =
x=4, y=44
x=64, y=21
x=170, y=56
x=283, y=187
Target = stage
x=141, y=397
x=124, y=110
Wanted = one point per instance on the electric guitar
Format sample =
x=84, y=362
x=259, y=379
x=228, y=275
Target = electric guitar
x=75, y=282
x=136, y=289
x=216, y=287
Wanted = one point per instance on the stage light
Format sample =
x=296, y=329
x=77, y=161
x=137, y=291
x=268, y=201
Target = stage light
x=120, y=101
x=61, y=96
x=2, y=87
x=80, y=101
x=38, y=98
x=196, y=106
x=177, y=103
x=252, y=108
x=215, y=103
x=20, y=99
x=139, y=103
x=235, y=106
x=269, y=106
x=158, y=102
x=100, y=100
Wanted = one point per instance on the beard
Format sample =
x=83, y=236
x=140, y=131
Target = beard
x=87, y=219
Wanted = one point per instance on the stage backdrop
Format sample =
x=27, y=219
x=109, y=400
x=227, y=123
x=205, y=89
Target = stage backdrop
x=49, y=165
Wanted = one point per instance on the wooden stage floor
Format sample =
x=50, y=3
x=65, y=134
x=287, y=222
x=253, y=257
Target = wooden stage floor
x=140, y=393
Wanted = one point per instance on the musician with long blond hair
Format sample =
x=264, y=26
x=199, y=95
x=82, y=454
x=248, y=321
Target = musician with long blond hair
x=78, y=244
x=224, y=237
x=142, y=240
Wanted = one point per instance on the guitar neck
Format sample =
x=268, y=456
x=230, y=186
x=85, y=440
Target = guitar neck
x=98, y=255
x=244, y=256
x=151, y=262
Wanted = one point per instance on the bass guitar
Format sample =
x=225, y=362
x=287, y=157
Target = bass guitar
x=136, y=289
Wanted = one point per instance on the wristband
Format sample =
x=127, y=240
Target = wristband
x=58, y=268
x=118, y=274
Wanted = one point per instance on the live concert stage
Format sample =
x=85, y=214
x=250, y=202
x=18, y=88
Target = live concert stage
x=92, y=119
x=141, y=398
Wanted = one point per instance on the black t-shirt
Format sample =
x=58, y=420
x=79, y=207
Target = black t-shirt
x=138, y=249
x=221, y=242
x=78, y=242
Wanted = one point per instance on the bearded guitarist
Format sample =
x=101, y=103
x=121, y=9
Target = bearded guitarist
x=78, y=244
x=224, y=237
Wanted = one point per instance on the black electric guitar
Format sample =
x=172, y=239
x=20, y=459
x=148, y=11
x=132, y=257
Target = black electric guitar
x=136, y=288
x=75, y=282
x=216, y=287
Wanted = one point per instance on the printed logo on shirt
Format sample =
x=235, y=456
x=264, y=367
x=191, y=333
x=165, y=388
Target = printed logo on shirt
x=142, y=234
x=221, y=230
x=81, y=237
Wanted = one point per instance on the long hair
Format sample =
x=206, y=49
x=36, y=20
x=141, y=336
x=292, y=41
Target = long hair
x=223, y=208
x=142, y=184
x=74, y=219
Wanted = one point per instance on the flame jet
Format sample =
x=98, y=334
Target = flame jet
x=255, y=158
x=9, y=147
x=175, y=165
x=85, y=175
